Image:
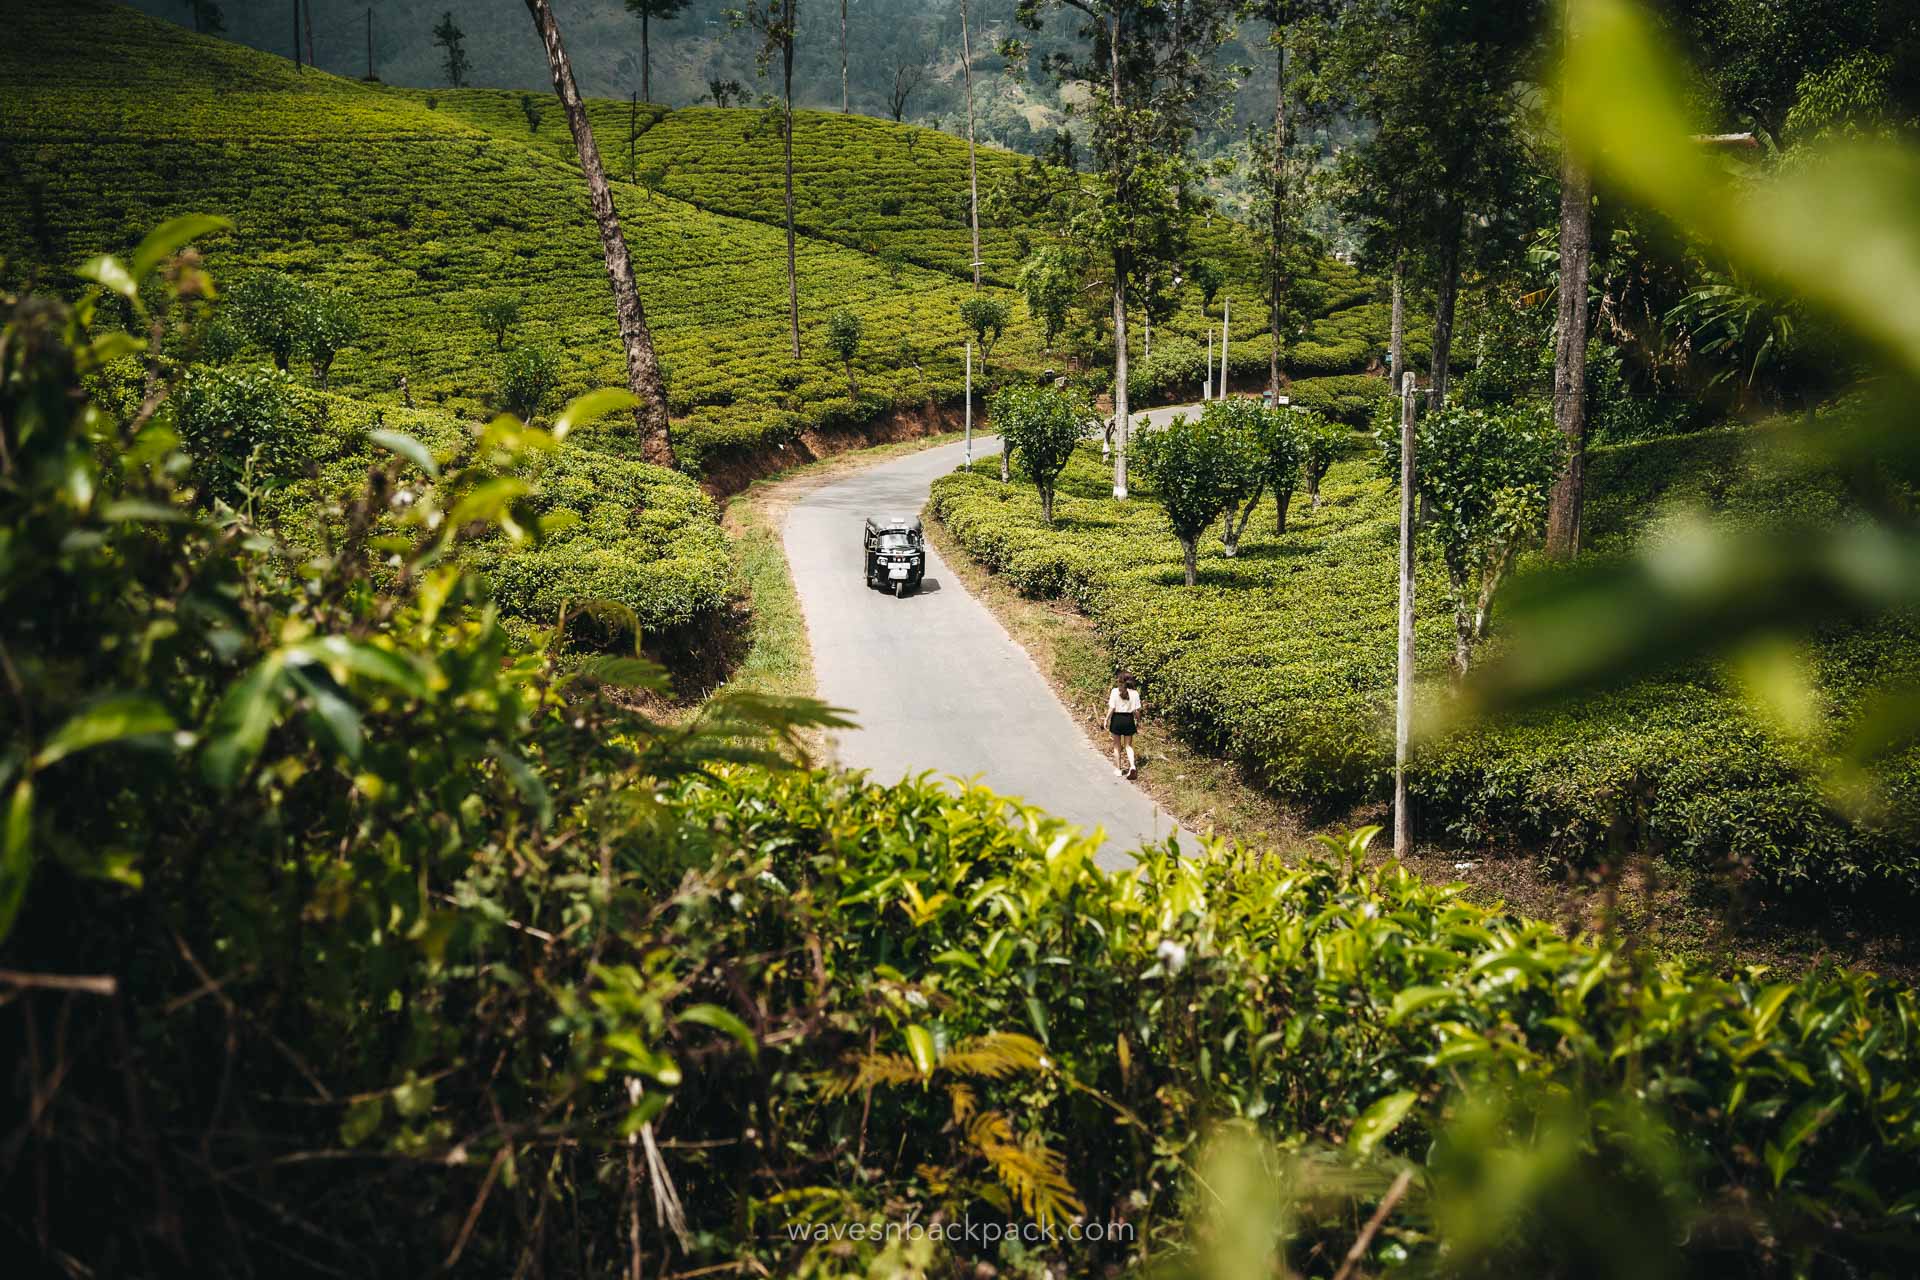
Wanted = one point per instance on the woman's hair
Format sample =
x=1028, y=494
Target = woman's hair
x=1123, y=682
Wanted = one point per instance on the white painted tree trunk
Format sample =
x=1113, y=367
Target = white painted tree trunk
x=1403, y=676
x=1206, y=388
x=969, y=413
x=1226, y=321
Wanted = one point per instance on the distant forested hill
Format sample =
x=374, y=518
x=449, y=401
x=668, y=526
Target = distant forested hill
x=883, y=36
x=885, y=39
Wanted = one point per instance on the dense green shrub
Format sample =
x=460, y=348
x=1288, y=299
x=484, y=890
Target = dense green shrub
x=527, y=375
x=243, y=429
x=1176, y=372
x=271, y=309
x=618, y=531
x=1349, y=398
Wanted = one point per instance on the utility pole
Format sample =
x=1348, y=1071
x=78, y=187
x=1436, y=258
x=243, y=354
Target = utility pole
x=296, y=35
x=969, y=450
x=844, y=108
x=309, y=9
x=1226, y=320
x=1403, y=681
x=371, y=78
x=1206, y=388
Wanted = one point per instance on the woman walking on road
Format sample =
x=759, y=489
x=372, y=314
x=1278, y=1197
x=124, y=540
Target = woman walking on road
x=1123, y=718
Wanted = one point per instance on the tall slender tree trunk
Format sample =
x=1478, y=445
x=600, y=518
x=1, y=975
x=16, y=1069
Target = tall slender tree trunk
x=1397, y=334
x=1120, y=373
x=793, y=284
x=643, y=369
x=844, y=100
x=1277, y=222
x=973, y=174
x=1226, y=326
x=1449, y=294
x=1570, y=353
x=1121, y=266
x=309, y=19
x=296, y=35
x=1403, y=666
x=646, y=58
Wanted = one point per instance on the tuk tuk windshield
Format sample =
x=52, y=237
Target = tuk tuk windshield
x=895, y=540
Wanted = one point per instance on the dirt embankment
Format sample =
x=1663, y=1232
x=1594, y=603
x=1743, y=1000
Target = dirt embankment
x=731, y=474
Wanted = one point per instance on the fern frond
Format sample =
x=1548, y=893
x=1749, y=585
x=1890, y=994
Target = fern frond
x=996, y=1055
x=963, y=1100
x=867, y=1070
x=1033, y=1172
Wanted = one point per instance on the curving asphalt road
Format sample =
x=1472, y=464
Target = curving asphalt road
x=934, y=681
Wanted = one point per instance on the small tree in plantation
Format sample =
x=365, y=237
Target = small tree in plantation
x=1321, y=442
x=1039, y=427
x=1244, y=464
x=987, y=318
x=498, y=313
x=453, y=49
x=895, y=260
x=329, y=324
x=1207, y=278
x=270, y=308
x=527, y=375
x=844, y=332
x=531, y=110
x=1484, y=477
x=1282, y=451
x=1194, y=467
x=1050, y=279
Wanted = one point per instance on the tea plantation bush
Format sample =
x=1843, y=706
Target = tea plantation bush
x=1348, y=398
x=612, y=529
x=1282, y=660
x=320, y=895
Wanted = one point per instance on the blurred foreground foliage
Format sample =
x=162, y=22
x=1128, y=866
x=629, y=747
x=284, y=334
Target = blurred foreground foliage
x=1836, y=233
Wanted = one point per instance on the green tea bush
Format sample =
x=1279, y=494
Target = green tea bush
x=1349, y=398
x=244, y=429
x=1175, y=372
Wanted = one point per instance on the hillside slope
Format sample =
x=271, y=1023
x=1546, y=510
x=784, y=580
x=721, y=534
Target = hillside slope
x=419, y=214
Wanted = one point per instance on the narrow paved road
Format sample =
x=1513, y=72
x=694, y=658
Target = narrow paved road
x=933, y=680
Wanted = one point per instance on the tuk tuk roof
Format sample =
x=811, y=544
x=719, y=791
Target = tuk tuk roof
x=886, y=524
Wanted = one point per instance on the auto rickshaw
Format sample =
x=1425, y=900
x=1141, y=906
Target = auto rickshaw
x=896, y=554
